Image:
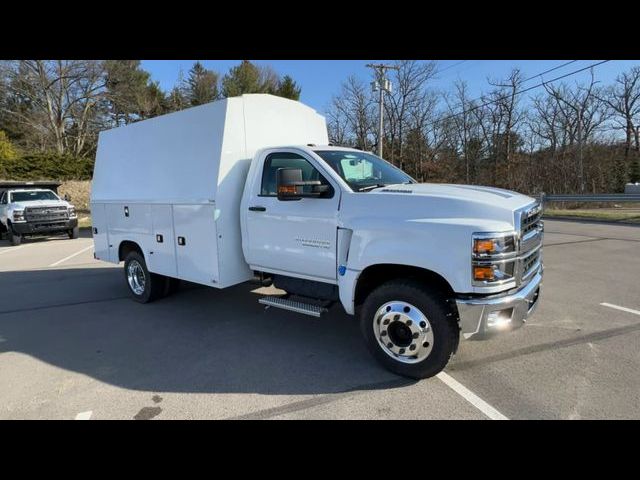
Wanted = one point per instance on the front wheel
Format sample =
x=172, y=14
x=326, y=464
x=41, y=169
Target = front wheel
x=409, y=329
x=73, y=233
x=144, y=286
x=14, y=238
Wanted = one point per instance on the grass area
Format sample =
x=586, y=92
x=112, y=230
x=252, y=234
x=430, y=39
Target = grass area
x=84, y=220
x=595, y=214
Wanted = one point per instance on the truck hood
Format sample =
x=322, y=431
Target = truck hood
x=473, y=193
x=40, y=203
x=480, y=208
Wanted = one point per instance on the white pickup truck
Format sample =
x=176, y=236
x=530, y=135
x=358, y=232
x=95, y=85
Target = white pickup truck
x=28, y=209
x=247, y=188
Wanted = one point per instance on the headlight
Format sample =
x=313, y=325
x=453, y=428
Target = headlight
x=18, y=215
x=72, y=212
x=492, y=244
x=493, y=258
x=483, y=274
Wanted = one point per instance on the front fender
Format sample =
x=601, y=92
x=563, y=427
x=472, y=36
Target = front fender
x=441, y=245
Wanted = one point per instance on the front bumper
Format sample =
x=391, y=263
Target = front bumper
x=480, y=317
x=37, y=228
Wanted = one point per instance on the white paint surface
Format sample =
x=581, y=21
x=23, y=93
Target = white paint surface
x=471, y=397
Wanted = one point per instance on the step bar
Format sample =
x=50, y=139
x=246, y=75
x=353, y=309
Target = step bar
x=292, y=305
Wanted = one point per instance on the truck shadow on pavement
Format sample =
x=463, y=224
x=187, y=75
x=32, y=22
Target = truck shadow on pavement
x=199, y=340
x=5, y=245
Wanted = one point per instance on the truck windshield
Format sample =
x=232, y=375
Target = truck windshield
x=33, y=195
x=363, y=171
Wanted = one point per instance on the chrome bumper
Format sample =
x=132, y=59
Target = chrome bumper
x=496, y=313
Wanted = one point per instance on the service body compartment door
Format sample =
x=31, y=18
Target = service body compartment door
x=196, y=243
x=100, y=231
x=162, y=247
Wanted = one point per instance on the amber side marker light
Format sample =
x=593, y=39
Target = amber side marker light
x=483, y=246
x=287, y=189
x=483, y=273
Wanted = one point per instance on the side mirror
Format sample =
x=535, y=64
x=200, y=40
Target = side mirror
x=67, y=197
x=290, y=185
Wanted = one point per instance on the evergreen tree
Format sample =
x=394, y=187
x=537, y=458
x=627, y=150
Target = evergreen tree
x=288, y=88
x=245, y=78
x=127, y=90
x=201, y=85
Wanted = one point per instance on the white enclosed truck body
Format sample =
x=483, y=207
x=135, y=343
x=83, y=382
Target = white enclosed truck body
x=181, y=176
x=248, y=187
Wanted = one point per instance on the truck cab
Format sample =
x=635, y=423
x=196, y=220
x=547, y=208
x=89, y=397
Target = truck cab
x=398, y=252
x=230, y=192
x=35, y=211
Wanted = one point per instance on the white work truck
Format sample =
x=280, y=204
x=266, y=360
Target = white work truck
x=29, y=209
x=248, y=189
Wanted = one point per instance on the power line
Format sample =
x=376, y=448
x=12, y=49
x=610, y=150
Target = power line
x=451, y=66
x=549, y=71
x=461, y=104
x=518, y=92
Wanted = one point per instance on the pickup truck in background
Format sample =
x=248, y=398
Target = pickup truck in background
x=30, y=210
x=248, y=189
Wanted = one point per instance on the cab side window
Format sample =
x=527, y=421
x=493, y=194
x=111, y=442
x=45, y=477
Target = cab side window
x=279, y=160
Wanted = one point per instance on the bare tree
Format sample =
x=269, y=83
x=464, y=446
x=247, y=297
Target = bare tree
x=354, y=107
x=409, y=85
x=583, y=112
x=64, y=96
x=624, y=100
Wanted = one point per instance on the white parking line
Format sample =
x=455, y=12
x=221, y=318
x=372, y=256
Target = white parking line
x=71, y=256
x=11, y=249
x=84, y=415
x=471, y=397
x=624, y=309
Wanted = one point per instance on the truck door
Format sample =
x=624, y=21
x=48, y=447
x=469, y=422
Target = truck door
x=292, y=237
x=196, y=243
x=100, y=231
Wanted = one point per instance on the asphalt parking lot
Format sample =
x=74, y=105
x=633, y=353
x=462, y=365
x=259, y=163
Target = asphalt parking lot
x=74, y=346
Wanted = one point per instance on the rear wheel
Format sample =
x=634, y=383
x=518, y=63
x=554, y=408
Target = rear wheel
x=74, y=232
x=408, y=329
x=144, y=286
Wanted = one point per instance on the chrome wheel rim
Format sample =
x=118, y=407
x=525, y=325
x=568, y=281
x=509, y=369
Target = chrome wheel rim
x=136, y=277
x=403, y=332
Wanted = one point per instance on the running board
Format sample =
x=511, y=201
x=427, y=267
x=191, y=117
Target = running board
x=292, y=305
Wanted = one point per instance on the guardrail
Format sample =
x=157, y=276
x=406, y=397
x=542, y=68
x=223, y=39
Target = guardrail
x=608, y=197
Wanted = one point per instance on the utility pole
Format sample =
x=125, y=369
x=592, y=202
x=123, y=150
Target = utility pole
x=381, y=84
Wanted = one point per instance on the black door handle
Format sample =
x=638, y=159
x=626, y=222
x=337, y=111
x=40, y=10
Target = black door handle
x=258, y=209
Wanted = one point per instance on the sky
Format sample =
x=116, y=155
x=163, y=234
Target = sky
x=321, y=79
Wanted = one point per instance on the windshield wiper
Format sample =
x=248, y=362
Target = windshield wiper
x=371, y=187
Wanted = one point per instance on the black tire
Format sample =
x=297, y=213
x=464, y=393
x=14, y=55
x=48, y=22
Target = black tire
x=74, y=233
x=14, y=238
x=154, y=284
x=433, y=305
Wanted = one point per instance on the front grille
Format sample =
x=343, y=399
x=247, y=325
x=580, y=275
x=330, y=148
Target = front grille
x=530, y=220
x=46, y=214
x=530, y=252
x=529, y=263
